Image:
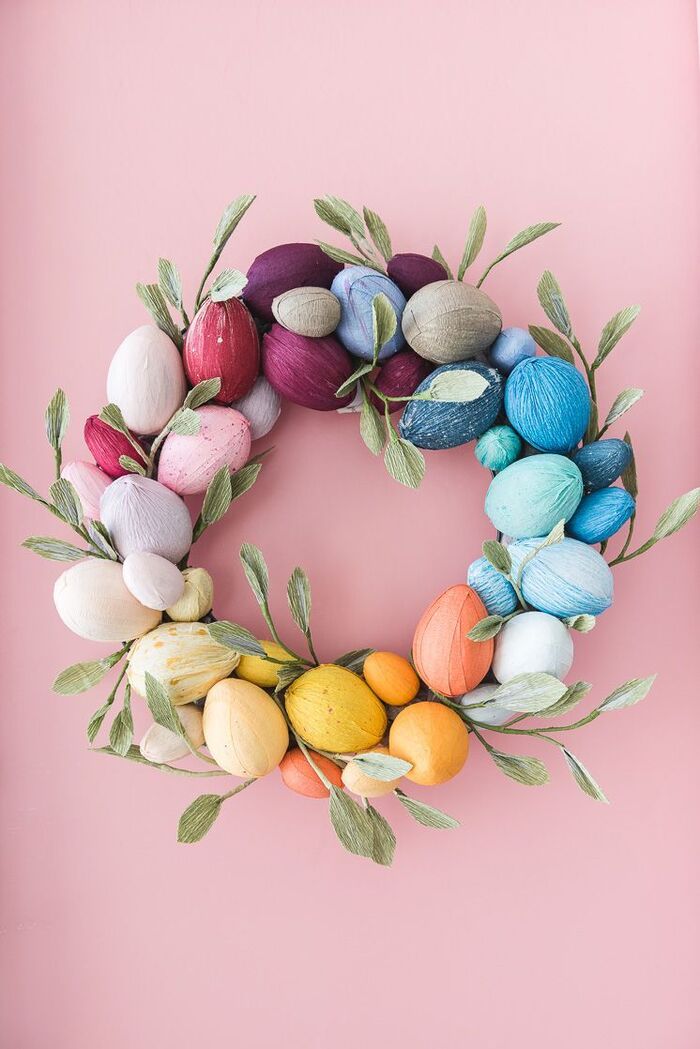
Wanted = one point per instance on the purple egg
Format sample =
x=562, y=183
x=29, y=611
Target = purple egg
x=399, y=377
x=412, y=271
x=306, y=371
x=283, y=268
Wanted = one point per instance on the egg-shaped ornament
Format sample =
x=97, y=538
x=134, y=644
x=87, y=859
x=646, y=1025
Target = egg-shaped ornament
x=437, y=424
x=261, y=406
x=445, y=658
x=93, y=601
x=359, y=782
x=412, y=271
x=512, y=346
x=298, y=775
x=244, y=729
x=306, y=371
x=107, y=446
x=497, y=594
x=141, y=514
x=307, y=311
x=146, y=380
x=566, y=579
x=196, y=599
x=333, y=709
x=89, y=482
x=602, y=462
x=600, y=515
x=184, y=657
x=154, y=581
x=491, y=713
x=399, y=376
x=433, y=738
x=162, y=745
x=355, y=288
x=222, y=342
x=450, y=321
x=531, y=495
x=188, y=463
x=498, y=447
x=548, y=402
x=282, y=268
x=532, y=643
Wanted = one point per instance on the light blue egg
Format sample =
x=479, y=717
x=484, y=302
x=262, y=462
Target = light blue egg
x=447, y=424
x=498, y=447
x=566, y=579
x=511, y=347
x=531, y=495
x=547, y=401
x=498, y=595
x=602, y=462
x=355, y=287
x=600, y=515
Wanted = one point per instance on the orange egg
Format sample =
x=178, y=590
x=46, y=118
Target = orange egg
x=433, y=738
x=391, y=677
x=298, y=775
x=444, y=656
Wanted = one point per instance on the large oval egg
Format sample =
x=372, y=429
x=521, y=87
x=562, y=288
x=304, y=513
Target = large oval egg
x=433, y=424
x=450, y=321
x=146, y=379
x=445, y=658
x=355, y=288
x=531, y=495
x=93, y=601
x=141, y=514
x=568, y=578
x=600, y=515
x=547, y=401
x=188, y=463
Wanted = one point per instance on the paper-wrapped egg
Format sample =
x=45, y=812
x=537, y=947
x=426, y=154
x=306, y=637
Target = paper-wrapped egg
x=600, y=515
x=532, y=643
x=285, y=267
x=222, y=342
x=89, y=482
x=450, y=321
x=433, y=738
x=183, y=657
x=333, y=709
x=498, y=447
x=355, y=287
x=547, y=401
x=261, y=406
x=145, y=379
x=411, y=271
x=568, y=578
x=244, y=729
x=197, y=597
x=107, y=445
x=511, y=347
x=141, y=514
x=399, y=376
x=445, y=658
x=93, y=601
x=306, y=371
x=495, y=591
x=531, y=495
x=162, y=745
x=602, y=462
x=357, y=780
x=297, y=774
x=492, y=713
x=447, y=424
x=153, y=581
x=188, y=463
x=307, y=311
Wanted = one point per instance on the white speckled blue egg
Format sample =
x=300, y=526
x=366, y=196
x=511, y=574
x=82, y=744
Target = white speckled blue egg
x=498, y=447
x=531, y=495
x=602, y=462
x=600, y=515
x=447, y=424
x=497, y=594
x=566, y=579
x=547, y=401
x=511, y=347
x=355, y=287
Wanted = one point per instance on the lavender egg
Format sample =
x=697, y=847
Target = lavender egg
x=548, y=403
x=600, y=515
x=447, y=424
x=602, y=462
x=411, y=271
x=355, y=287
x=143, y=515
x=497, y=594
x=285, y=267
x=511, y=347
x=261, y=406
x=304, y=370
x=568, y=578
x=188, y=463
x=399, y=377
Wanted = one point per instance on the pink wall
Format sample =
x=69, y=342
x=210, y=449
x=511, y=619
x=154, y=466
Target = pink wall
x=547, y=919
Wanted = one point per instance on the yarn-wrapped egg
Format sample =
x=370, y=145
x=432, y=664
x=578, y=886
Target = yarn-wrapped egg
x=153, y=581
x=532, y=643
x=333, y=709
x=433, y=738
x=145, y=379
x=261, y=406
x=602, y=462
x=412, y=271
x=531, y=495
x=568, y=578
x=355, y=287
x=511, y=347
x=447, y=424
x=306, y=371
x=244, y=729
x=188, y=463
x=450, y=321
x=297, y=774
x=89, y=482
x=93, y=601
x=162, y=745
x=307, y=311
x=497, y=594
x=141, y=514
x=492, y=713
x=600, y=515
x=399, y=376
x=498, y=447
x=359, y=782
x=197, y=597
x=282, y=268
x=107, y=445
x=547, y=401
x=183, y=657
x=222, y=342
x=445, y=658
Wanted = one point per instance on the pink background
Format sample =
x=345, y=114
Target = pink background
x=547, y=919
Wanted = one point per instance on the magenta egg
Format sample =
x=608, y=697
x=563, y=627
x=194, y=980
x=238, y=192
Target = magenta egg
x=306, y=371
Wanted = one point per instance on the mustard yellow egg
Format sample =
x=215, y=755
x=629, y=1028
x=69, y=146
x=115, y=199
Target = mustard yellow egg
x=261, y=671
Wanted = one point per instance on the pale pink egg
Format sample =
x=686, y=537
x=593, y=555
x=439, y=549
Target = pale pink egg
x=89, y=482
x=187, y=464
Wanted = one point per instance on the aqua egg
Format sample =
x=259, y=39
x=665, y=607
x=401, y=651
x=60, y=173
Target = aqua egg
x=498, y=447
x=495, y=591
x=355, y=287
x=600, y=515
x=568, y=578
x=433, y=424
x=531, y=495
x=548, y=403
x=602, y=462
x=511, y=347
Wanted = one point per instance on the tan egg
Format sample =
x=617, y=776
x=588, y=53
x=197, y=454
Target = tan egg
x=183, y=657
x=360, y=783
x=307, y=311
x=197, y=598
x=92, y=600
x=161, y=745
x=450, y=321
x=244, y=729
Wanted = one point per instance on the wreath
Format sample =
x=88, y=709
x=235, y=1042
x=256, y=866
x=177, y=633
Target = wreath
x=378, y=333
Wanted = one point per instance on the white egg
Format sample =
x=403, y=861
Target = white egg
x=492, y=714
x=146, y=379
x=153, y=580
x=93, y=601
x=532, y=643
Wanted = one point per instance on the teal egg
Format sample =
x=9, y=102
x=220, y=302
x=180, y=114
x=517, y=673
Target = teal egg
x=547, y=401
x=568, y=578
x=498, y=447
x=495, y=591
x=600, y=515
x=531, y=495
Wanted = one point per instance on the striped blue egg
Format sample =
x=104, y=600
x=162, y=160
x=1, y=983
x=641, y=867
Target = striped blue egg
x=511, y=347
x=497, y=594
x=355, y=287
x=548, y=403
x=531, y=495
x=566, y=579
x=602, y=462
x=498, y=447
x=600, y=515
x=447, y=424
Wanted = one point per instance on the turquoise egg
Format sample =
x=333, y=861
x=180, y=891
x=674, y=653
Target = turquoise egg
x=548, y=403
x=600, y=515
x=497, y=594
x=447, y=424
x=531, y=495
x=602, y=462
x=497, y=448
x=355, y=287
x=511, y=347
x=566, y=579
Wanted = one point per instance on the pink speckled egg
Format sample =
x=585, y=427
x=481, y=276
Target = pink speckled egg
x=187, y=464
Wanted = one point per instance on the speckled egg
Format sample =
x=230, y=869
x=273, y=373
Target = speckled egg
x=602, y=462
x=529, y=497
x=447, y=424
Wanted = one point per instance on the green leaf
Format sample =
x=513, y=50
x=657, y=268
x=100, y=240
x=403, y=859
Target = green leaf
x=573, y=695
x=628, y=694
x=244, y=479
x=201, y=393
x=583, y=777
x=531, y=772
x=100, y=538
x=426, y=814
x=352, y=380
x=497, y=556
x=236, y=638
x=383, y=767
x=457, y=386
x=404, y=462
x=299, y=598
x=520, y=240
x=256, y=572
x=154, y=301
x=79, y=677
x=340, y=215
x=592, y=428
x=170, y=283
x=198, y=818
x=383, y=838
x=613, y=331
x=232, y=215
x=372, y=428
x=486, y=628
x=185, y=423
x=57, y=418
x=338, y=255
x=529, y=693
x=112, y=415
x=13, y=480
x=383, y=323
x=582, y=623
x=160, y=706
x=379, y=233
x=227, y=285
x=127, y=463
x=122, y=730
x=552, y=302
x=475, y=240
x=354, y=660
x=551, y=343
x=629, y=476
x=622, y=403
x=352, y=825
x=54, y=549
x=95, y=722
x=439, y=257
x=681, y=510
x=67, y=501
x=287, y=673
x=218, y=496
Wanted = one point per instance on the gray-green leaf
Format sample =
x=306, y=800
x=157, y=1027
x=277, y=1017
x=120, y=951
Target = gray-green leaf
x=198, y=818
x=475, y=240
x=486, y=628
x=127, y=463
x=383, y=838
x=95, y=722
x=338, y=255
x=439, y=257
x=629, y=475
x=54, y=549
x=160, y=706
x=583, y=623
x=354, y=660
x=622, y=403
x=201, y=393
x=299, y=598
x=232, y=215
x=170, y=282
x=497, y=556
x=383, y=323
x=218, y=496
x=352, y=380
x=552, y=302
x=426, y=815
x=531, y=772
x=67, y=501
x=628, y=694
x=529, y=693
x=112, y=415
x=583, y=777
x=372, y=428
x=13, y=480
x=613, y=331
x=236, y=638
x=384, y=767
x=677, y=515
x=404, y=462
x=154, y=301
x=573, y=695
x=122, y=730
x=457, y=386
x=57, y=418
x=379, y=233
x=244, y=479
x=227, y=285
x=551, y=343
x=352, y=825
x=82, y=676
x=185, y=423
x=256, y=571
x=520, y=240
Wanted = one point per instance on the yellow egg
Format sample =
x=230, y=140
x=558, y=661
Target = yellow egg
x=333, y=709
x=260, y=671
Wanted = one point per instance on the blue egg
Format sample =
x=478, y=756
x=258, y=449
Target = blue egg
x=566, y=579
x=548, y=403
x=600, y=515
x=447, y=424
x=602, y=462
x=497, y=448
x=498, y=595
x=531, y=495
x=511, y=347
x=355, y=287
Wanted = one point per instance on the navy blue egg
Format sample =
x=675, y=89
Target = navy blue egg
x=355, y=287
x=548, y=403
x=602, y=462
x=511, y=347
x=600, y=515
x=447, y=424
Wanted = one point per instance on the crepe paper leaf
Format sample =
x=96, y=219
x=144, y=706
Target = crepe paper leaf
x=287, y=673
x=383, y=838
x=57, y=418
x=354, y=660
x=67, y=501
x=256, y=572
x=232, y=215
x=54, y=549
x=352, y=825
x=201, y=393
x=628, y=694
x=459, y=387
x=530, y=772
x=198, y=818
x=383, y=323
x=101, y=539
x=583, y=777
x=404, y=462
x=372, y=428
x=486, y=628
x=170, y=282
x=112, y=415
x=122, y=730
x=622, y=403
x=134, y=754
x=573, y=695
x=185, y=423
x=340, y=215
x=95, y=722
x=613, y=331
x=244, y=479
x=13, y=480
x=127, y=463
x=351, y=382
x=475, y=240
x=520, y=240
x=328, y=214
x=551, y=343
x=218, y=496
x=338, y=255
x=299, y=598
x=227, y=285
x=236, y=638
x=583, y=623
x=439, y=257
x=681, y=510
x=552, y=302
x=629, y=475
x=79, y=677
x=154, y=301
x=383, y=767
x=379, y=233
x=426, y=814
x=160, y=706
x=529, y=693
x=497, y=556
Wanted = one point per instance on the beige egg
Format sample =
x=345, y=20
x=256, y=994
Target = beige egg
x=450, y=321
x=307, y=311
x=244, y=729
x=146, y=379
x=153, y=580
x=366, y=786
x=160, y=744
x=197, y=597
x=183, y=657
x=93, y=601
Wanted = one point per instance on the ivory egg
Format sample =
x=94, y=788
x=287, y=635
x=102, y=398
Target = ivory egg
x=153, y=580
x=184, y=657
x=356, y=780
x=244, y=729
x=92, y=600
x=188, y=463
x=532, y=643
x=146, y=379
x=492, y=714
x=143, y=515
x=160, y=744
